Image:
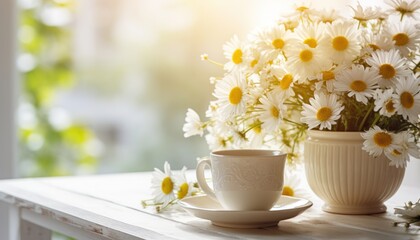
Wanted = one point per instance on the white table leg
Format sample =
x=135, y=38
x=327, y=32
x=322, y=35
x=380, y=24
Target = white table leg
x=31, y=231
x=9, y=222
x=4, y=222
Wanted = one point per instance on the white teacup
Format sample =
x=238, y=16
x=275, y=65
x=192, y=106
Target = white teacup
x=245, y=179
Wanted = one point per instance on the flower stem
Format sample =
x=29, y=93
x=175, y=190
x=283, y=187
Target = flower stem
x=415, y=67
x=377, y=117
x=366, y=116
x=214, y=62
x=293, y=122
x=252, y=127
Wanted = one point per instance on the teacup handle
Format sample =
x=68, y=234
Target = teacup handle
x=201, y=178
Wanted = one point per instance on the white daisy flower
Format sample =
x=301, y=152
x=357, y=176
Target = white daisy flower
x=362, y=14
x=217, y=140
x=273, y=108
x=389, y=66
x=357, y=81
x=405, y=37
x=409, y=8
x=377, y=141
x=310, y=34
x=323, y=111
x=293, y=186
x=163, y=185
x=373, y=42
x=407, y=98
x=266, y=77
x=384, y=102
x=302, y=6
x=327, y=77
x=343, y=41
x=398, y=157
x=204, y=57
x=223, y=127
x=231, y=94
x=254, y=60
x=193, y=125
x=409, y=211
x=305, y=61
x=238, y=136
x=289, y=23
x=273, y=41
x=285, y=82
x=212, y=110
x=328, y=15
x=183, y=188
x=406, y=146
x=382, y=14
x=234, y=51
x=303, y=10
x=255, y=93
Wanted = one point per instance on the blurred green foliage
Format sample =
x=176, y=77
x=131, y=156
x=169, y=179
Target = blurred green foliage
x=45, y=149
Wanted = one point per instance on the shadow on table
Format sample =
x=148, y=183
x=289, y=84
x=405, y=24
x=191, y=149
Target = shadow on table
x=306, y=229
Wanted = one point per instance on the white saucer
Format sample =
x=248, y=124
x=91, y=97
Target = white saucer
x=206, y=208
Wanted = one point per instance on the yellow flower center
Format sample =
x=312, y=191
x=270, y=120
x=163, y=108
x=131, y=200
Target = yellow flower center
x=257, y=129
x=387, y=71
x=253, y=63
x=311, y=42
x=401, y=39
x=328, y=75
x=302, y=9
x=389, y=106
x=288, y=191
x=167, y=185
x=306, y=55
x=278, y=43
x=275, y=112
x=235, y=95
x=286, y=81
x=183, y=190
x=324, y=114
x=340, y=43
x=407, y=100
x=237, y=56
x=396, y=152
x=223, y=142
x=382, y=139
x=374, y=47
x=358, y=86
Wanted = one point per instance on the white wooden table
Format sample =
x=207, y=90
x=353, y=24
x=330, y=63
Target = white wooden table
x=109, y=207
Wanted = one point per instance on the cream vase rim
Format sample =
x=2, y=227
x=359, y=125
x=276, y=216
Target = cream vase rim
x=336, y=135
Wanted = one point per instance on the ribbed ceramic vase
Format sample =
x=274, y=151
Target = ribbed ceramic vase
x=345, y=177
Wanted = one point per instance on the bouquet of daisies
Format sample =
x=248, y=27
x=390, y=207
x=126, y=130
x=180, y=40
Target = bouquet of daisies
x=318, y=70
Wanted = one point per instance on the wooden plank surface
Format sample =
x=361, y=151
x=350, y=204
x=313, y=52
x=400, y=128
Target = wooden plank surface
x=90, y=214
x=109, y=206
